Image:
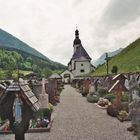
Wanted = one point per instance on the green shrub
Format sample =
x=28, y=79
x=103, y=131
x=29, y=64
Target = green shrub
x=110, y=97
x=92, y=99
x=102, y=92
x=43, y=113
x=124, y=97
x=124, y=106
x=84, y=93
x=50, y=107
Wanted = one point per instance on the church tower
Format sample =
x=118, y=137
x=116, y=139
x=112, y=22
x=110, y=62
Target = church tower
x=77, y=41
x=80, y=61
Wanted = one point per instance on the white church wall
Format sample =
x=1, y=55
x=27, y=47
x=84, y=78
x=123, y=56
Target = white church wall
x=82, y=68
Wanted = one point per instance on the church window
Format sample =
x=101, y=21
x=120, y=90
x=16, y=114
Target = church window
x=81, y=64
x=82, y=70
x=74, y=66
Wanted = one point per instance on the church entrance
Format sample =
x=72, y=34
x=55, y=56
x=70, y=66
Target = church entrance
x=67, y=78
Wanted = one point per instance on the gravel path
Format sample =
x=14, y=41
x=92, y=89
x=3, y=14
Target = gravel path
x=76, y=119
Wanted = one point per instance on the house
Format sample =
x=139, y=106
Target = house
x=80, y=61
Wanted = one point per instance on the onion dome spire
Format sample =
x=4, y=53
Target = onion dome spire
x=77, y=40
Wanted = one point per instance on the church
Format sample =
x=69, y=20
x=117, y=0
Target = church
x=80, y=62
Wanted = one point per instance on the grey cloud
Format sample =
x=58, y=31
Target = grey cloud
x=77, y=2
x=120, y=12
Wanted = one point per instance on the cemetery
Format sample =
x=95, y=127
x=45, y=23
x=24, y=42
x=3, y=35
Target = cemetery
x=118, y=94
x=81, y=102
x=26, y=106
x=74, y=103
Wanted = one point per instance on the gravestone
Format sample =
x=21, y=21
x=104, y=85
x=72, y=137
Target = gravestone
x=134, y=106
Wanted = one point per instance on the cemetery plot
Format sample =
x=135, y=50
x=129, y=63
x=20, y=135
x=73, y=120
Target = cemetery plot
x=35, y=109
x=118, y=94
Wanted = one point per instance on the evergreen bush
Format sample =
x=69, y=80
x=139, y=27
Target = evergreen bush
x=92, y=99
x=84, y=94
x=102, y=92
x=124, y=97
x=110, y=97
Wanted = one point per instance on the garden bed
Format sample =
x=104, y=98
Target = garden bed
x=102, y=107
x=31, y=130
x=41, y=129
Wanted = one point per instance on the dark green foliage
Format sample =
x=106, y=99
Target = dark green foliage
x=124, y=97
x=102, y=92
x=43, y=113
x=16, y=54
x=110, y=97
x=114, y=69
x=92, y=98
x=84, y=93
x=11, y=61
x=124, y=106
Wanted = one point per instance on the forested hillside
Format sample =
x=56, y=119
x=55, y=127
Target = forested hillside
x=15, y=54
x=11, y=61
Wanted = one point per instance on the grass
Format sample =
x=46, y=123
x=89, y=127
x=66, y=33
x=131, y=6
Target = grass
x=127, y=61
x=14, y=74
x=22, y=72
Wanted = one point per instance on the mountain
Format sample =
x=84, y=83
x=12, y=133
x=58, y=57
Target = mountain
x=9, y=42
x=128, y=60
x=101, y=59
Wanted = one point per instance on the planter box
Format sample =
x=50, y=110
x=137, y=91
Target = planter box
x=42, y=129
x=33, y=130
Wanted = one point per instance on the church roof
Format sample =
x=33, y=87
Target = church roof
x=55, y=76
x=81, y=53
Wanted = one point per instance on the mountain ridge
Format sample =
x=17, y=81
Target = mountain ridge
x=101, y=59
x=10, y=42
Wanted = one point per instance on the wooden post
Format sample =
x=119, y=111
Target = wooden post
x=106, y=63
x=118, y=95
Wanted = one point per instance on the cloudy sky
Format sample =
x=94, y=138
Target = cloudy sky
x=49, y=25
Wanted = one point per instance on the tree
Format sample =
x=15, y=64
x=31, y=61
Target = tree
x=114, y=69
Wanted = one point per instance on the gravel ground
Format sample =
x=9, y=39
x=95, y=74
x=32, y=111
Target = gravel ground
x=76, y=119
